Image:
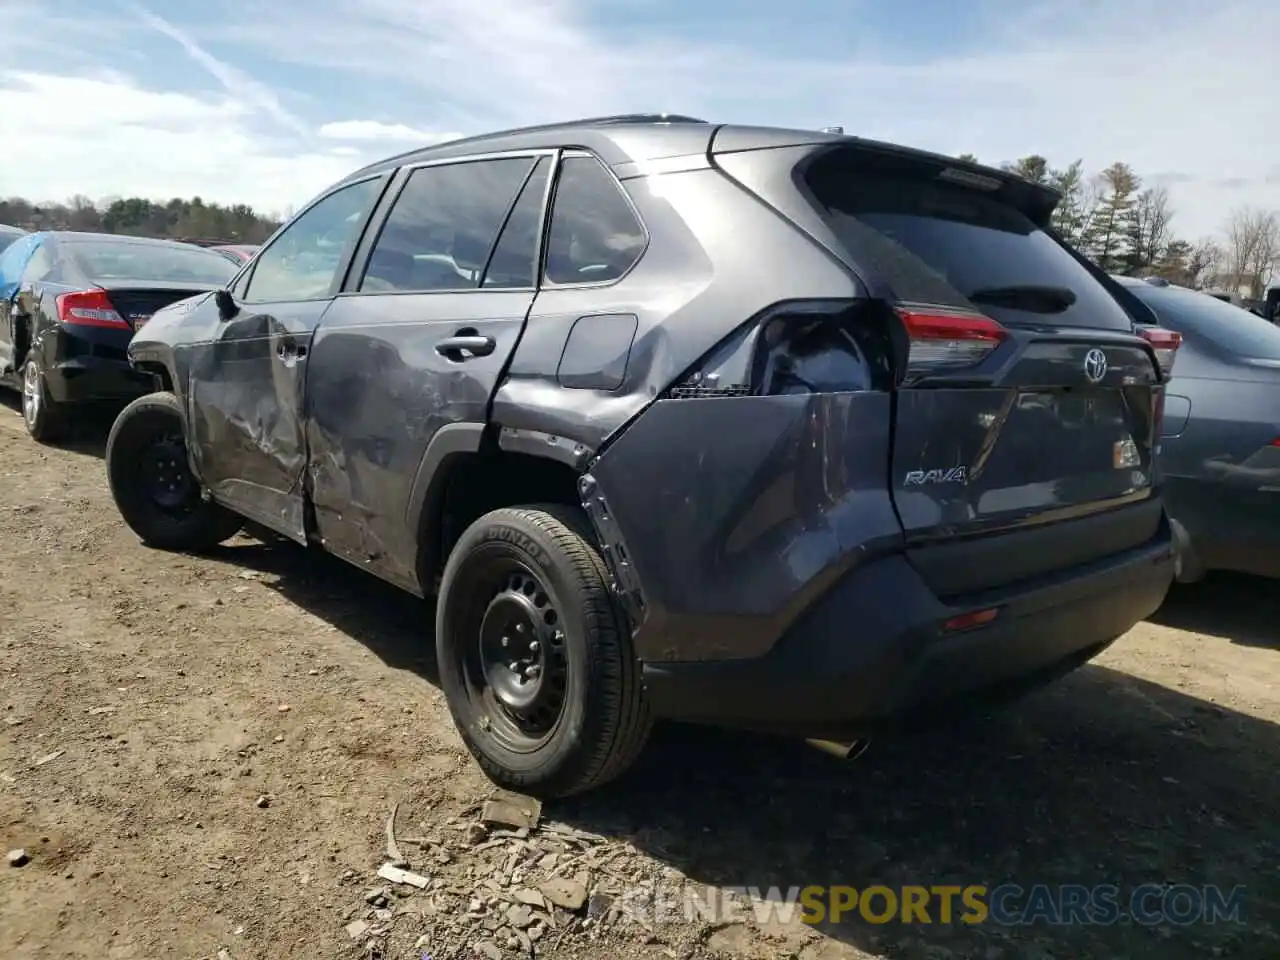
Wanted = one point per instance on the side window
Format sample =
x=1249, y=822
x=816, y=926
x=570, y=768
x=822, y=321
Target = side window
x=443, y=225
x=300, y=264
x=594, y=234
x=514, y=263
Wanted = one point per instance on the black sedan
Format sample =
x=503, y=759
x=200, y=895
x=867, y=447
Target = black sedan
x=1220, y=449
x=69, y=305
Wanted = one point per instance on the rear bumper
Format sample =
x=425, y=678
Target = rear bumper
x=1232, y=527
x=94, y=379
x=873, y=651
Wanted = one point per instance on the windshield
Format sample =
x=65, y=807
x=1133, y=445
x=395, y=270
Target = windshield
x=1198, y=316
x=932, y=239
x=106, y=261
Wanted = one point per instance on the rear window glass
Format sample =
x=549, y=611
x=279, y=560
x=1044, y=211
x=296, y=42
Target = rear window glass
x=144, y=261
x=1201, y=317
x=941, y=243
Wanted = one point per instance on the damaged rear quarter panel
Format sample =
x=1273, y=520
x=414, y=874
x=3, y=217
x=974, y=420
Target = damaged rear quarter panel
x=696, y=283
x=736, y=513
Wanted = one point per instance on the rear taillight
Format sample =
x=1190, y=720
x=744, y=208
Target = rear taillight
x=89, y=308
x=797, y=347
x=1165, y=343
x=943, y=340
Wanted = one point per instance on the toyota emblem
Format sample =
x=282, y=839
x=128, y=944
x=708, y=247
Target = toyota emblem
x=1095, y=365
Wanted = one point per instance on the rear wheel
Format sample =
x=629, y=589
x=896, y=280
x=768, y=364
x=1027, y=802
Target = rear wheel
x=534, y=658
x=45, y=420
x=153, y=486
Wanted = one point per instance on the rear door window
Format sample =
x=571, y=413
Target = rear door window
x=595, y=235
x=944, y=243
x=444, y=224
x=514, y=264
x=1223, y=326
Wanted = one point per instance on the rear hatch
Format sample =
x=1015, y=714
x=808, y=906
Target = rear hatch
x=1025, y=420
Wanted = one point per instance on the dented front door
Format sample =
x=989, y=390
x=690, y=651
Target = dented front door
x=245, y=406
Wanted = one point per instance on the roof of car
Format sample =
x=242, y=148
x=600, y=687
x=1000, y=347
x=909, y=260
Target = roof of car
x=635, y=138
x=75, y=235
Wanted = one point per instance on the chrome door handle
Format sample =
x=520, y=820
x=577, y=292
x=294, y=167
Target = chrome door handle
x=458, y=348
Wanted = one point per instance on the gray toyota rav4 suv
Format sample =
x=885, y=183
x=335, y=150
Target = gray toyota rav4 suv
x=780, y=430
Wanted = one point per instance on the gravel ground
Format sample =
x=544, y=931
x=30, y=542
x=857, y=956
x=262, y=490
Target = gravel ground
x=200, y=757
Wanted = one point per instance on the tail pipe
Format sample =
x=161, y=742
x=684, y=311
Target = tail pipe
x=844, y=750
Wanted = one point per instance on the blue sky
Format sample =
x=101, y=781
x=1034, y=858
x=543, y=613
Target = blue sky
x=267, y=101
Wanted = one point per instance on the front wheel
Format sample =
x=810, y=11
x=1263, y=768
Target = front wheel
x=152, y=484
x=45, y=420
x=534, y=657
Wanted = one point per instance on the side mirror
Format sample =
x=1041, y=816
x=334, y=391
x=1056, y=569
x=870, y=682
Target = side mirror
x=226, y=305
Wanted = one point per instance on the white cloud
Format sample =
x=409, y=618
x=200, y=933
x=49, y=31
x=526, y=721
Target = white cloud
x=1179, y=89
x=1170, y=86
x=375, y=130
x=235, y=81
x=104, y=136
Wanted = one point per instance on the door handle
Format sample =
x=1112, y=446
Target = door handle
x=458, y=348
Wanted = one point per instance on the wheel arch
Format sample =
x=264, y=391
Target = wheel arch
x=466, y=472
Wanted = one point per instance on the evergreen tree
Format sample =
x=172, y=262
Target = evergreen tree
x=1109, y=239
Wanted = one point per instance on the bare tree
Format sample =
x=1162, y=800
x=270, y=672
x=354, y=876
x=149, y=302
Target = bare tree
x=1152, y=219
x=1252, y=250
x=1203, y=263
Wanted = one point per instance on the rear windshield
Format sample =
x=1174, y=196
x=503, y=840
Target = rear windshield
x=938, y=242
x=1201, y=317
x=110, y=261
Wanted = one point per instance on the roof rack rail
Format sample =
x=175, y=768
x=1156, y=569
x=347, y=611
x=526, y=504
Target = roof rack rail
x=620, y=118
x=644, y=118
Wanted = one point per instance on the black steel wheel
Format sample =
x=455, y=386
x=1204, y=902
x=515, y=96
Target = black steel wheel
x=152, y=483
x=517, y=665
x=534, y=658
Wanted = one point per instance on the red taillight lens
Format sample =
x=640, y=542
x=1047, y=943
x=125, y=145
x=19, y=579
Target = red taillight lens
x=968, y=621
x=1165, y=343
x=89, y=308
x=943, y=340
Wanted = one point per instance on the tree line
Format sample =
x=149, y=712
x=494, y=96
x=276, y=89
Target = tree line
x=177, y=218
x=1111, y=216
x=1127, y=227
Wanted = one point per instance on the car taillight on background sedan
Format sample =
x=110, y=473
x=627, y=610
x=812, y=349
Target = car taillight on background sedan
x=1165, y=343
x=89, y=308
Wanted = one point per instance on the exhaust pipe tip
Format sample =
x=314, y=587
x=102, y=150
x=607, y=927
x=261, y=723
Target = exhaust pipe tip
x=842, y=750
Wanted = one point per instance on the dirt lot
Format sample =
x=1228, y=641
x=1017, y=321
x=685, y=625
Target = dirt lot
x=149, y=701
